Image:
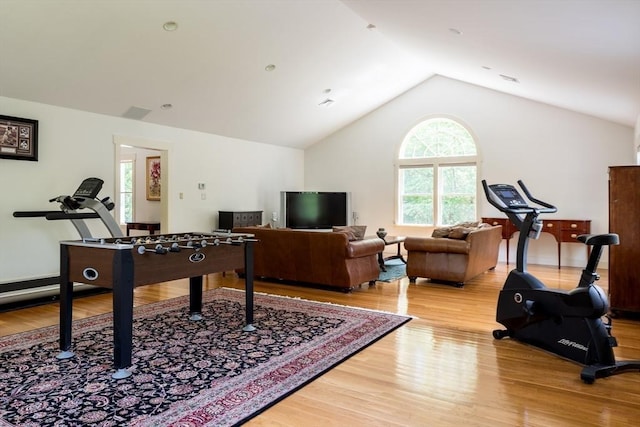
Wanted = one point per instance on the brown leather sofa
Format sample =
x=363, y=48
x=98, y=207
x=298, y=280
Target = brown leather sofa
x=322, y=258
x=453, y=260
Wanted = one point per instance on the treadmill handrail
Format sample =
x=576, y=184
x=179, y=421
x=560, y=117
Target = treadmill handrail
x=32, y=214
x=63, y=215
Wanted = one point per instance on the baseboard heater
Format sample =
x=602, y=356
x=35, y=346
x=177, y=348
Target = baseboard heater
x=28, y=292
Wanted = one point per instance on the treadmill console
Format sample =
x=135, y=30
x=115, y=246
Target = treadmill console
x=89, y=188
x=507, y=196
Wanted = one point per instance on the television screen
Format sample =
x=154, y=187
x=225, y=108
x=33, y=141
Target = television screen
x=307, y=209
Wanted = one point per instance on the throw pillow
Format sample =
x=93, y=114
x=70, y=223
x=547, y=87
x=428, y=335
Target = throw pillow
x=441, y=232
x=460, y=233
x=354, y=232
x=469, y=224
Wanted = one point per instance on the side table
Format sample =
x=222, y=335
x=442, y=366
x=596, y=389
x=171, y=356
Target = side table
x=388, y=241
x=151, y=227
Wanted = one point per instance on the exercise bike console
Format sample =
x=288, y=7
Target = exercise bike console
x=567, y=323
x=507, y=197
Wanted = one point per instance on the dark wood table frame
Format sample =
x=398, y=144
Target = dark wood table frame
x=121, y=268
x=388, y=241
x=149, y=227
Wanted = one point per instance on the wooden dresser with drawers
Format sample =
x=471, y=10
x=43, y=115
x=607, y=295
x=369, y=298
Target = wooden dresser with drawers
x=563, y=230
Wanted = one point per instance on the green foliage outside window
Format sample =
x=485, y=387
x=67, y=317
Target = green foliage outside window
x=417, y=197
x=126, y=191
x=458, y=194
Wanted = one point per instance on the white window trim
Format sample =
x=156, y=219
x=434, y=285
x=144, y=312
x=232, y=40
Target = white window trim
x=130, y=157
x=434, y=162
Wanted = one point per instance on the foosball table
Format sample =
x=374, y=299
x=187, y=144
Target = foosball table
x=122, y=264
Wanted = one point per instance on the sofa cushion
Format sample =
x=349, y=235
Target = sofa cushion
x=458, y=231
x=430, y=244
x=353, y=232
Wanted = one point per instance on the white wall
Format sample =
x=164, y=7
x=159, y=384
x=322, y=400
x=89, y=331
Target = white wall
x=73, y=145
x=636, y=144
x=563, y=157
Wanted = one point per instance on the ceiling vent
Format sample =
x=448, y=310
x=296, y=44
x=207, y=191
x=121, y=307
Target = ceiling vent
x=136, y=113
x=326, y=103
x=509, y=78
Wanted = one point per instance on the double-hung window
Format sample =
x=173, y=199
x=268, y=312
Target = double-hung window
x=127, y=185
x=437, y=174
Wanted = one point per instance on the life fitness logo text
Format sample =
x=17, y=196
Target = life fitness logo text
x=197, y=257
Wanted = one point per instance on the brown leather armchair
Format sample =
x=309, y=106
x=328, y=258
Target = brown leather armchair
x=453, y=260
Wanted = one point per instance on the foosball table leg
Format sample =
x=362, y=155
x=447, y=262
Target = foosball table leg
x=122, y=313
x=195, y=298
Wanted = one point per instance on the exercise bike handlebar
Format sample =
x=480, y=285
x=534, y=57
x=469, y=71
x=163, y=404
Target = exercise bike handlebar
x=520, y=208
x=548, y=207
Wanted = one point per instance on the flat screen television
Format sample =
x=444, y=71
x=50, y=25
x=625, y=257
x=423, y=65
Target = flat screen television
x=314, y=209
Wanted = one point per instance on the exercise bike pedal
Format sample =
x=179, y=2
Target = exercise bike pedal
x=529, y=307
x=501, y=333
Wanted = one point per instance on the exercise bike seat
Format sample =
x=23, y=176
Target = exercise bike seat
x=599, y=239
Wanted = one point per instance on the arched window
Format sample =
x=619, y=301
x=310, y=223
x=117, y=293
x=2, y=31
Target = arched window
x=437, y=174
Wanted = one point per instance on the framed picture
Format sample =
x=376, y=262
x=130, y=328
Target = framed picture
x=18, y=138
x=153, y=178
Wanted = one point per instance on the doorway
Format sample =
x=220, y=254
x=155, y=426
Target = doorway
x=147, y=208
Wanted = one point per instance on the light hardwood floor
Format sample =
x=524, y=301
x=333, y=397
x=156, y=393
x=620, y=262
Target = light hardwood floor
x=441, y=369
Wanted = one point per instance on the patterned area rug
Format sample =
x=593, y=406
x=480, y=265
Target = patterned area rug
x=396, y=269
x=185, y=373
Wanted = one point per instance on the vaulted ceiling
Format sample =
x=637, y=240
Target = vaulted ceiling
x=291, y=72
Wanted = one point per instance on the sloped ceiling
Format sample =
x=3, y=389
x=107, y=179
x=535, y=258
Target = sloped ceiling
x=107, y=56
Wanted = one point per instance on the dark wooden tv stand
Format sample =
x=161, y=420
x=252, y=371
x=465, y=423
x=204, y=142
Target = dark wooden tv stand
x=228, y=220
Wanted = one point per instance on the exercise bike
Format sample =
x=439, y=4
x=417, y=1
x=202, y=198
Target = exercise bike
x=567, y=323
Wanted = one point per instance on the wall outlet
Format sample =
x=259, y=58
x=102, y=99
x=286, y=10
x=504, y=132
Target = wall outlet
x=201, y=186
x=274, y=216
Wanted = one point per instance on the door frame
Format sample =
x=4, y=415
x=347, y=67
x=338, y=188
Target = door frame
x=164, y=149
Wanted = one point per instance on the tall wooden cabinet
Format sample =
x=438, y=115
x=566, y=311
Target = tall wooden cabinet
x=624, y=219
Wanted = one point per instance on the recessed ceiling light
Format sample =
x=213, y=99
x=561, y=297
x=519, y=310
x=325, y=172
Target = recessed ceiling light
x=170, y=26
x=166, y=106
x=371, y=27
x=270, y=67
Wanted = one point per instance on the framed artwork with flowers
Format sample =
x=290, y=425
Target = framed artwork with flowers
x=153, y=178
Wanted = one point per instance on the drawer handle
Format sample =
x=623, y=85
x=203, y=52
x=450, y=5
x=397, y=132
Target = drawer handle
x=495, y=223
x=574, y=225
x=550, y=225
x=573, y=236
